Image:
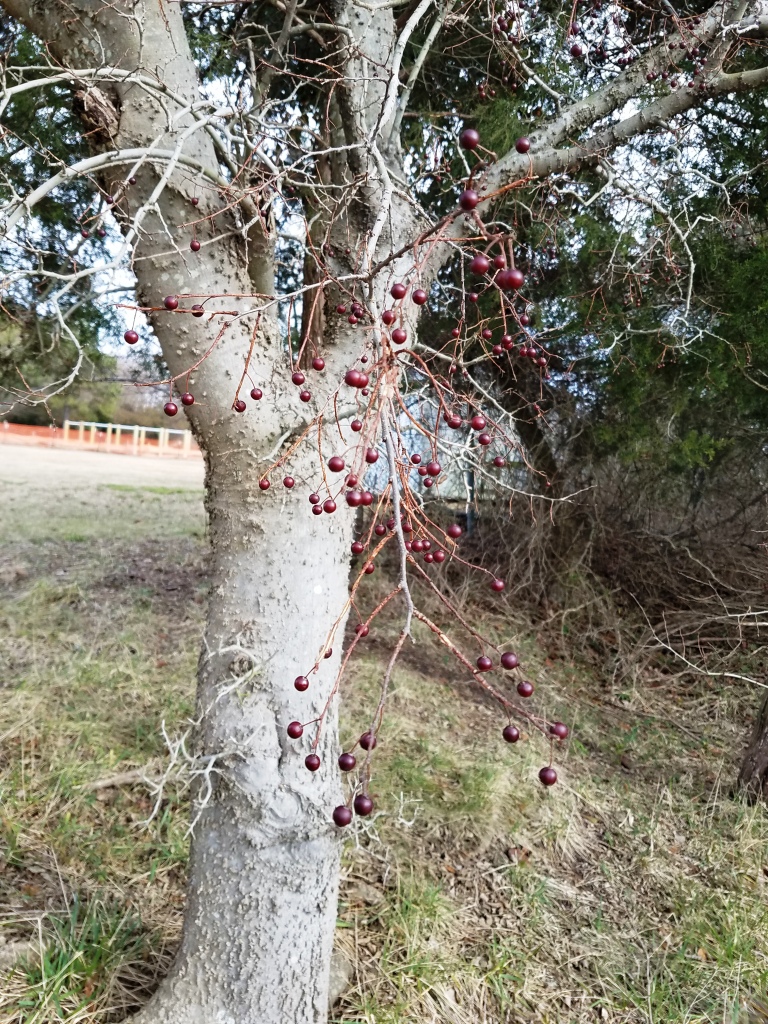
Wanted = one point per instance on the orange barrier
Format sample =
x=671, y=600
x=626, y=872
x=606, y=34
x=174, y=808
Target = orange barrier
x=119, y=438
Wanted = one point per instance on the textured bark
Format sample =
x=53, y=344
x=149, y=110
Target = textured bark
x=753, y=777
x=259, y=925
x=261, y=910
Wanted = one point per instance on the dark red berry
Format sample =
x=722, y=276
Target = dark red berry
x=416, y=459
x=264, y=484
x=317, y=510
x=314, y=499
x=363, y=804
x=352, y=378
x=367, y=498
x=335, y=463
x=398, y=290
x=312, y=761
x=239, y=405
x=434, y=469
x=298, y=377
x=469, y=139
x=288, y=482
x=439, y=555
x=357, y=547
x=329, y=506
x=472, y=297
x=342, y=816
x=305, y=396
x=362, y=629
x=131, y=337
x=371, y=456
x=511, y=734
x=454, y=530
x=548, y=776
x=497, y=585
x=559, y=729
x=480, y=265
x=295, y=730
x=367, y=741
x=419, y=296
x=509, y=660
x=318, y=363
x=399, y=335
x=388, y=317
x=194, y=245
x=484, y=663
x=256, y=394
x=524, y=688
x=468, y=199
x=328, y=652
x=187, y=399
x=301, y=683
x=499, y=461
x=356, y=425
x=379, y=529
x=368, y=568
x=355, y=500
x=170, y=408
x=197, y=310
x=171, y=302
x=523, y=145
x=347, y=762
x=484, y=439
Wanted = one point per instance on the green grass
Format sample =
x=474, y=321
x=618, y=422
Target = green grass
x=632, y=892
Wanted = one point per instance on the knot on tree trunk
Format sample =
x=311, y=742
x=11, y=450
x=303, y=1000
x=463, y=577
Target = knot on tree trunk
x=98, y=113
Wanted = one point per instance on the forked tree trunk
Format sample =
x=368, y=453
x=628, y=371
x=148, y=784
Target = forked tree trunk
x=259, y=924
x=753, y=777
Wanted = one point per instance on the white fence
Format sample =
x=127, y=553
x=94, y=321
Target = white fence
x=128, y=439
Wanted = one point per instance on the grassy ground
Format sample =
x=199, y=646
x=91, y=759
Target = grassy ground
x=635, y=891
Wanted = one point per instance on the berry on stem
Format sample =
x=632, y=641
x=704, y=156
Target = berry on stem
x=363, y=804
x=511, y=734
x=548, y=776
x=469, y=139
x=468, y=200
x=342, y=816
x=295, y=730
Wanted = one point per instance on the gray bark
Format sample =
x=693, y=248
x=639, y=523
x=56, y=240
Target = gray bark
x=259, y=924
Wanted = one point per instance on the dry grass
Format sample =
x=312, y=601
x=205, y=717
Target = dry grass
x=633, y=892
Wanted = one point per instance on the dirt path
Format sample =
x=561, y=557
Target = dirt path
x=46, y=467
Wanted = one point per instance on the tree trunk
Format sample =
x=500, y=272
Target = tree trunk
x=753, y=777
x=261, y=911
x=259, y=926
